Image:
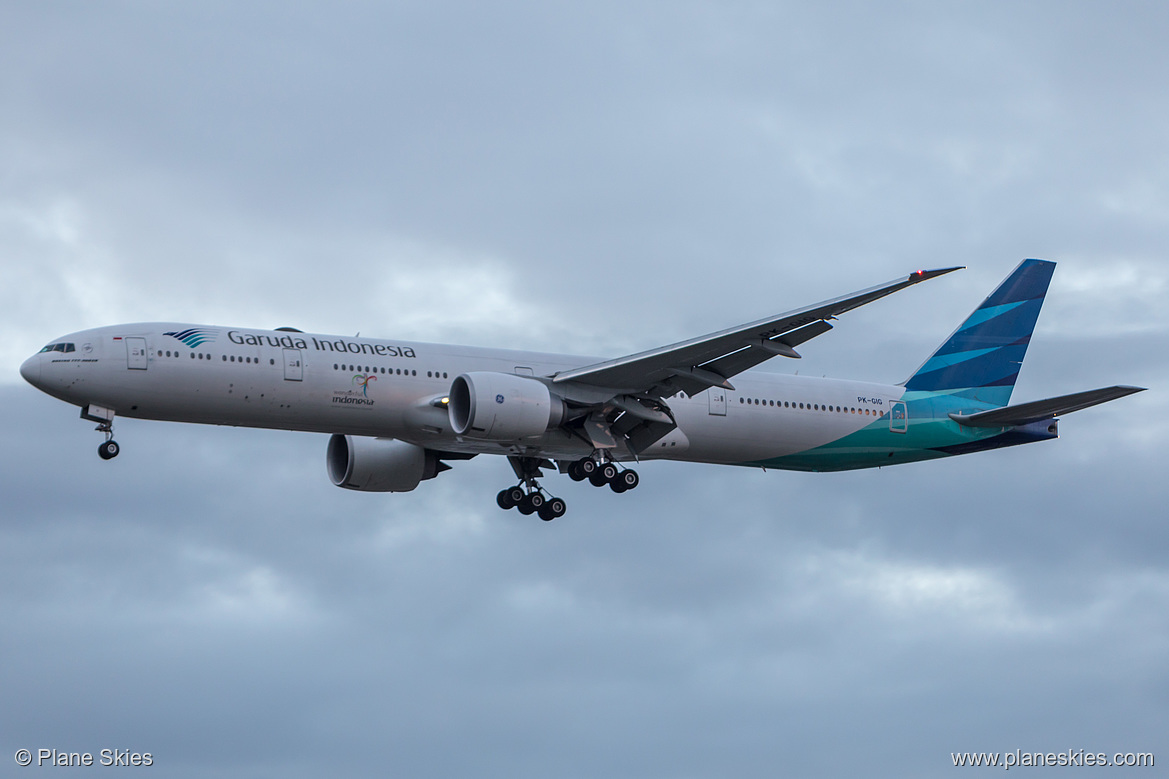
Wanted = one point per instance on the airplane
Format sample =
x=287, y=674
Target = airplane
x=398, y=413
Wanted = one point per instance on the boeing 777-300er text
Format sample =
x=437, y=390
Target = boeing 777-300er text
x=399, y=412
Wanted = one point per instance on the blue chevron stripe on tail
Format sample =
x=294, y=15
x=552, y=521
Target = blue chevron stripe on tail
x=981, y=360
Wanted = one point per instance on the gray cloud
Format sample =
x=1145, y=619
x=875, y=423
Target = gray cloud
x=591, y=180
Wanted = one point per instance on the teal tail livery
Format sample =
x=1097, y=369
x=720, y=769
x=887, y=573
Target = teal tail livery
x=981, y=360
x=400, y=413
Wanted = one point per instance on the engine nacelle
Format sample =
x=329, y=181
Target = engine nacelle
x=378, y=464
x=502, y=406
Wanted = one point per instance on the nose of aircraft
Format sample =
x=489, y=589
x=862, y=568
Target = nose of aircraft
x=31, y=370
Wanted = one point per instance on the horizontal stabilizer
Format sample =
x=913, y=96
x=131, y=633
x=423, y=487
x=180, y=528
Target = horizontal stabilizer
x=1036, y=410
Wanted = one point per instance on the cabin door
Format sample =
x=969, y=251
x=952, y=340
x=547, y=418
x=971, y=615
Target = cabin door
x=136, y=354
x=898, y=418
x=293, y=367
x=718, y=401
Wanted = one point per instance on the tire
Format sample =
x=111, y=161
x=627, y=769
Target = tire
x=596, y=479
x=574, y=471
x=531, y=503
x=504, y=500
x=608, y=472
x=108, y=450
x=557, y=507
x=587, y=466
x=617, y=486
x=628, y=479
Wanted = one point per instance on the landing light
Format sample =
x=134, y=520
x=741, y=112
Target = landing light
x=445, y=401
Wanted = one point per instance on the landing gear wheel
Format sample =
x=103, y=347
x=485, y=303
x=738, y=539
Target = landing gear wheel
x=553, y=508
x=531, y=503
x=587, y=466
x=604, y=474
x=108, y=450
x=626, y=480
x=506, y=499
x=575, y=472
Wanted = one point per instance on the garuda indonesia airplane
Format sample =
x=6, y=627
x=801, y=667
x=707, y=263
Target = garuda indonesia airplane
x=399, y=412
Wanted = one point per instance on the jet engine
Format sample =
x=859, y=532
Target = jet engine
x=379, y=464
x=502, y=406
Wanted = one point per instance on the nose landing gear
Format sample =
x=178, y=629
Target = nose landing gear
x=104, y=417
x=108, y=449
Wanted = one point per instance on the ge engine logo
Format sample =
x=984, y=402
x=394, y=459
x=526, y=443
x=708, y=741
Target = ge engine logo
x=499, y=398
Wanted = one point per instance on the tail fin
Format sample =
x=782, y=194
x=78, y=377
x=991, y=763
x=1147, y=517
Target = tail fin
x=981, y=360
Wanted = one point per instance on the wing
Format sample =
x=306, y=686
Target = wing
x=710, y=360
x=1025, y=413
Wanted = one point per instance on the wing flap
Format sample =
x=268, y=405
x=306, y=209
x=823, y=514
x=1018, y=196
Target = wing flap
x=762, y=351
x=1025, y=413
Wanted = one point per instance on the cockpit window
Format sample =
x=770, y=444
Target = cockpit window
x=61, y=347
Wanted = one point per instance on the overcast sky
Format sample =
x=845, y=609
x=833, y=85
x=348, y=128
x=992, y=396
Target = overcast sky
x=596, y=179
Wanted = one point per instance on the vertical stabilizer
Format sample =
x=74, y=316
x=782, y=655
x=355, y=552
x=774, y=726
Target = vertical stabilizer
x=981, y=360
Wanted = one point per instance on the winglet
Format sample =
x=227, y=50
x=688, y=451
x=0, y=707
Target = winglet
x=926, y=275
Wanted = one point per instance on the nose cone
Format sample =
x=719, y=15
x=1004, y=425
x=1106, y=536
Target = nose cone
x=31, y=370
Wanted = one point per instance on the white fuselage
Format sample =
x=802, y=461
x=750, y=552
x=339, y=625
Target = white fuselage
x=389, y=389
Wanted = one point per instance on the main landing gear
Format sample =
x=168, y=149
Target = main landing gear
x=530, y=498
x=601, y=473
x=533, y=502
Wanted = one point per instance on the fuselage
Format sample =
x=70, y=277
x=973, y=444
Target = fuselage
x=392, y=389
